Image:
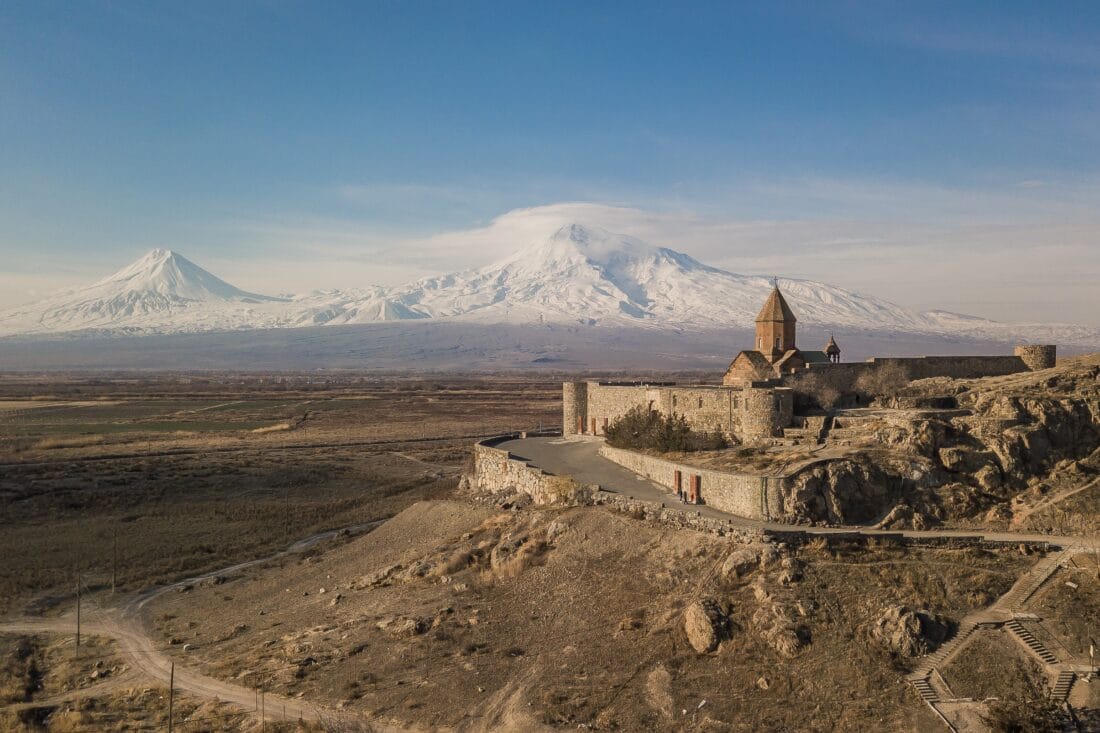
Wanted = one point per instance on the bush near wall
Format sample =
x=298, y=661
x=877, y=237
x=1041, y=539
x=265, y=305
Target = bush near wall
x=643, y=428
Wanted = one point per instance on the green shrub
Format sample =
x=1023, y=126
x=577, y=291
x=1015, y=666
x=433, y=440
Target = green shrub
x=644, y=428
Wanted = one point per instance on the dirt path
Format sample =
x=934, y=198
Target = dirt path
x=141, y=653
x=126, y=626
x=1021, y=516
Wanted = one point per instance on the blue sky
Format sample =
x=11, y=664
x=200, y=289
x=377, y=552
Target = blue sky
x=295, y=145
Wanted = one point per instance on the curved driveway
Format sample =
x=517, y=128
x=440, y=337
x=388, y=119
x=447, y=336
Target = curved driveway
x=580, y=458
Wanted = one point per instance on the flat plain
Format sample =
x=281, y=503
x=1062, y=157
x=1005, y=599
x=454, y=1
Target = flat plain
x=145, y=480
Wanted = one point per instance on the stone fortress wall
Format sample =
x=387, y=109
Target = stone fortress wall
x=745, y=495
x=761, y=410
x=743, y=413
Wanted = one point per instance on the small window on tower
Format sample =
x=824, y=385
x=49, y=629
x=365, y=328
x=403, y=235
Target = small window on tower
x=777, y=342
x=700, y=402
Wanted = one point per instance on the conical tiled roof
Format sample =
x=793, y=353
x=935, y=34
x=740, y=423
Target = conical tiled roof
x=831, y=347
x=776, y=309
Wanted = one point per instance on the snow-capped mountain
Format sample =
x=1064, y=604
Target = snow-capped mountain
x=161, y=291
x=587, y=275
x=579, y=276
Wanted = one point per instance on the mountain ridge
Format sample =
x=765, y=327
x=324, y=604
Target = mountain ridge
x=579, y=275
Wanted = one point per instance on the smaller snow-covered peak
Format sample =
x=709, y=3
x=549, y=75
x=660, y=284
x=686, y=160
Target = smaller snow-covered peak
x=166, y=273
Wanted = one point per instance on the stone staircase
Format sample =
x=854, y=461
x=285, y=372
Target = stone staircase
x=843, y=429
x=1063, y=685
x=1026, y=587
x=1010, y=604
x=1036, y=647
x=805, y=430
x=933, y=660
x=924, y=689
x=799, y=436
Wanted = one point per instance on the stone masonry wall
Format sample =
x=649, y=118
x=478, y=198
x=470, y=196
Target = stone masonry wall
x=496, y=471
x=740, y=494
x=765, y=412
x=706, y=409
x=842, y=377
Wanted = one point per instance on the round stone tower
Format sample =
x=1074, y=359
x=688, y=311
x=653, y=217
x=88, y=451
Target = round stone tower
x=765, y=412
x=1037, y=356
x=574, y=404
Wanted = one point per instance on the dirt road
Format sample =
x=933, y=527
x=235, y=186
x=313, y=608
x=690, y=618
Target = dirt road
x=124, y=624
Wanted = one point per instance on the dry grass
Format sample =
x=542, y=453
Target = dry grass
x=969, y=672
x=95, y=471
x=569, y=630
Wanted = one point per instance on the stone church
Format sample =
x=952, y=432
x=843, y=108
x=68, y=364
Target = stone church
x=776, y=354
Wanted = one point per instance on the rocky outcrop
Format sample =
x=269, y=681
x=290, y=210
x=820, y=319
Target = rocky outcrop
x=706, y=624
x=907, y=632
x=740, y=563
x=919, y=468
x=855, y=490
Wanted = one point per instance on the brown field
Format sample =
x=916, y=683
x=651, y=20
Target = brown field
x=154, y=479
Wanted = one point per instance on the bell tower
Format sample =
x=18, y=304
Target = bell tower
x=775, y=327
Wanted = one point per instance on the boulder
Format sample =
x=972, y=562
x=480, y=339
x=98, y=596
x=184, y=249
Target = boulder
x=989, y=477
x=775, y=626
x=959, y=459
x=740, y=563
x=706, y=624
x=907, y=632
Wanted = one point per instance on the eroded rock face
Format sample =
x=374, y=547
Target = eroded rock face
x=706, y=625
x=920, y=469
x=847, y=491
x=907, y=632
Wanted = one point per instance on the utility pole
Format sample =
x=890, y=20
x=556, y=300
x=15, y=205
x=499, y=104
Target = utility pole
x=171, y=693
x=78, y=610
x=114, y=563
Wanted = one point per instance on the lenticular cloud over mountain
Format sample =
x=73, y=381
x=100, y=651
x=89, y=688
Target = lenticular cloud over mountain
x=581, y=276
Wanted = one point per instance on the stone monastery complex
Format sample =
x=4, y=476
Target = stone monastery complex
x=756, y=400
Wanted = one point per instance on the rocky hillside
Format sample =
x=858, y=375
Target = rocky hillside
x=1010, y=444
x=469, y=616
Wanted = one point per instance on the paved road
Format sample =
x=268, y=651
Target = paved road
x=580, y=459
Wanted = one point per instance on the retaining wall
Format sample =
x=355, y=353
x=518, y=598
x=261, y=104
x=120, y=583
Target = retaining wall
x=745, y=495
x=497, y=471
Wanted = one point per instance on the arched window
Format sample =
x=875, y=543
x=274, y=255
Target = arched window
x=777, y=342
